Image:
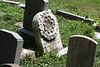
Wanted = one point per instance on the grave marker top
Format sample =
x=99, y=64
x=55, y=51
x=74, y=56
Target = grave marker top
x=81, y=51
x=32, y=8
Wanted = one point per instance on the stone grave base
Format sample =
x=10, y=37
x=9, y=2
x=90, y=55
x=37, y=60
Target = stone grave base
x=29, y=41
x=97, y=30
x=97, y=35
x=26, y=52
x=30, y=33
x=62, y=52
x=20, y=24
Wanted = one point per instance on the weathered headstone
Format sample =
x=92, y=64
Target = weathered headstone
x=81, y=51
x=33, y=7
x=10, y=47
x=46, y=31
x=9, y=65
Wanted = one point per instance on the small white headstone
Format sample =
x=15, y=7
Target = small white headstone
x=46, y=31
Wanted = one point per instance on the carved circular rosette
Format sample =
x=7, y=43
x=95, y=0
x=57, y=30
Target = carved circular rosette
x=48, y=25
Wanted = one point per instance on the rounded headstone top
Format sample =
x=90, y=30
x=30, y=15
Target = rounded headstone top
x=85, y=37
x=47, y=24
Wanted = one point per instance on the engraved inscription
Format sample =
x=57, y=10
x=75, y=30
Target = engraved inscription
x=53, y=45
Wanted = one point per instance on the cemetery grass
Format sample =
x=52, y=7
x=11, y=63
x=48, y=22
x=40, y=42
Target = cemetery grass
x=11, y=14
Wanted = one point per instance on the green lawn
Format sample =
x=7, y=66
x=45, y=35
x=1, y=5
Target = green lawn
x=79, y=7
x=11, y=14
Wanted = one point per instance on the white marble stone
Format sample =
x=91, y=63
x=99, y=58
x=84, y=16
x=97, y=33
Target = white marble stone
x=22, y=5
x=26, y=52
x=46, y=31
x=62, y=52
x=97, y=35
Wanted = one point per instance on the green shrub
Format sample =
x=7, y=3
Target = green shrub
x=49, y=59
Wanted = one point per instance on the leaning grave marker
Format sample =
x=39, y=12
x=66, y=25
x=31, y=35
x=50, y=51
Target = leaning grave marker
x=81, y=51
x=10, y=47
x=46, y=31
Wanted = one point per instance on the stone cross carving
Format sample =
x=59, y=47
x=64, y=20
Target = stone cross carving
x=81, y=51
x=32, y=7
x=10, y=47
x=46, y=31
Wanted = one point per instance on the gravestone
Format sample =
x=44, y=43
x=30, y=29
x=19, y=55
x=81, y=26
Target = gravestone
x=10, y=47
x=81, y=51
x=33, y=7
x=9, y=65
x=46, y=31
